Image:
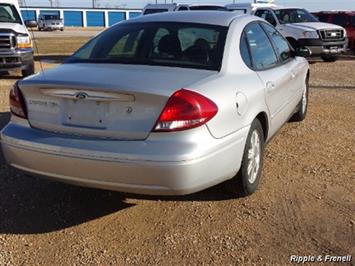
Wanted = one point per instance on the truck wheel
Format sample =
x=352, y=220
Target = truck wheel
x=28, y=71
x=329, y=58
x=302, y=107
x=248, y=178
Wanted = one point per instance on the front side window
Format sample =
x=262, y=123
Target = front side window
x=294, y=15
x=9, y=14
x=189, y=45
x=267, y=15
x=262, y=53
x=281, y=45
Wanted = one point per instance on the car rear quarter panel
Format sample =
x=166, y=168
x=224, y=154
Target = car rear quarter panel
x=236, y=84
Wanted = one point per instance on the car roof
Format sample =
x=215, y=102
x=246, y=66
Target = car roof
x=221, y=18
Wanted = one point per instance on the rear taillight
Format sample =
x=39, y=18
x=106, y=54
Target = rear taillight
x=17, y=102
x=185, y=109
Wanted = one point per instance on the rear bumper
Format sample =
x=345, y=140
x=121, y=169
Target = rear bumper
x=320, y=47
x=154, y=166
x=16, y=59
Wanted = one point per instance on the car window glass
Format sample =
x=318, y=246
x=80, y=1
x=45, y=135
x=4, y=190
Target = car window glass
x=188, y=45
x=267, y=15
x=153, y=11
x=353, y=21
x=262, y=52
x=294, y=15
x=323, y=17
x=244, y=51
x=340, y=20
x=281, y=45
x=127, y=45
x=9, y=14
x=183, y=8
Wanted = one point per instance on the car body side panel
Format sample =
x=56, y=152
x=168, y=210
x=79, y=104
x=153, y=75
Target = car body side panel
x=241, y=98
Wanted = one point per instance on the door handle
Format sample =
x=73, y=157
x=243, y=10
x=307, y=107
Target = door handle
x=270, y=87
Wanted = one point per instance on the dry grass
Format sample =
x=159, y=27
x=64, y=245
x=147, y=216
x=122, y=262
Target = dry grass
x=62, y=46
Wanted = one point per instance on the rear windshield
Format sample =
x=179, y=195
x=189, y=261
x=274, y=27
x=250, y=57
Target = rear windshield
x=50, y=17
x=153, y=11
x=9, y=14
x=220, y=8
x=294, y=15
x=187, y=45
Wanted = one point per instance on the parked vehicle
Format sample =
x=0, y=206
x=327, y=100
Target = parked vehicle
x=50, y=22
x=159, y=8
x=170, y=103
x=303, y=30
x=345, y=19
x=15, y=41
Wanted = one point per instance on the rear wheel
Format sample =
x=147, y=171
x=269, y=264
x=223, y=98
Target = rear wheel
x=248, y=178
x=301, y=111
x=28, y=71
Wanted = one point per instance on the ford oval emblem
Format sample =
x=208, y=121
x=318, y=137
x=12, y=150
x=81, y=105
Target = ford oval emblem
x=81, y=95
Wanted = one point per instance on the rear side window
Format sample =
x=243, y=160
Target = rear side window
x=281, y=45
x=262, y=53
x=244, y=50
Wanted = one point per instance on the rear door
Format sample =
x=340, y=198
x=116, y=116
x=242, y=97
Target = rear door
x=294, y=66
x=274, y=76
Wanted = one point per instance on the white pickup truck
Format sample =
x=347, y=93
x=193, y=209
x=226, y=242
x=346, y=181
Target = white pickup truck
x=15, y=41
x=303, y=30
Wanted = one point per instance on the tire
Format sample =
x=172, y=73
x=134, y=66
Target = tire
x=329, y=58
x=246, y=182
x=28, y=71
x=302, y=107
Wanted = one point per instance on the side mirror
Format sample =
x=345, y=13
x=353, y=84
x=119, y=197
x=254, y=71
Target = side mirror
x=31, y=23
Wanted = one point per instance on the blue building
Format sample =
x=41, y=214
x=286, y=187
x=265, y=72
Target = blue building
x=82, y=17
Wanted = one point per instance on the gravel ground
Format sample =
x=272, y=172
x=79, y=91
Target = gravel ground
x=305, y=205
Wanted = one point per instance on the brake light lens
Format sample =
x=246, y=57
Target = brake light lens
x=185, y=109
x=17, y=102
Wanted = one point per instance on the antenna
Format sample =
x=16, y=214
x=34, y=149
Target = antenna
x=34, y=41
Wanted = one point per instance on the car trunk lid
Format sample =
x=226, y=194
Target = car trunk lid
x=105, y=100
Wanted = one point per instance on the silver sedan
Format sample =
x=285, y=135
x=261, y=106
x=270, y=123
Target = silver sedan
x=171, y=103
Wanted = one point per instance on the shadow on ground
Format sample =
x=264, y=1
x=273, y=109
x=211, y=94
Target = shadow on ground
x=30, y=205
x=51, y=58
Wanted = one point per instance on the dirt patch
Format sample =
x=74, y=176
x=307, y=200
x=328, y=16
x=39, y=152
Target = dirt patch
x=305, y=205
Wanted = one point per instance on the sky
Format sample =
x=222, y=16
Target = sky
x=312, y=5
